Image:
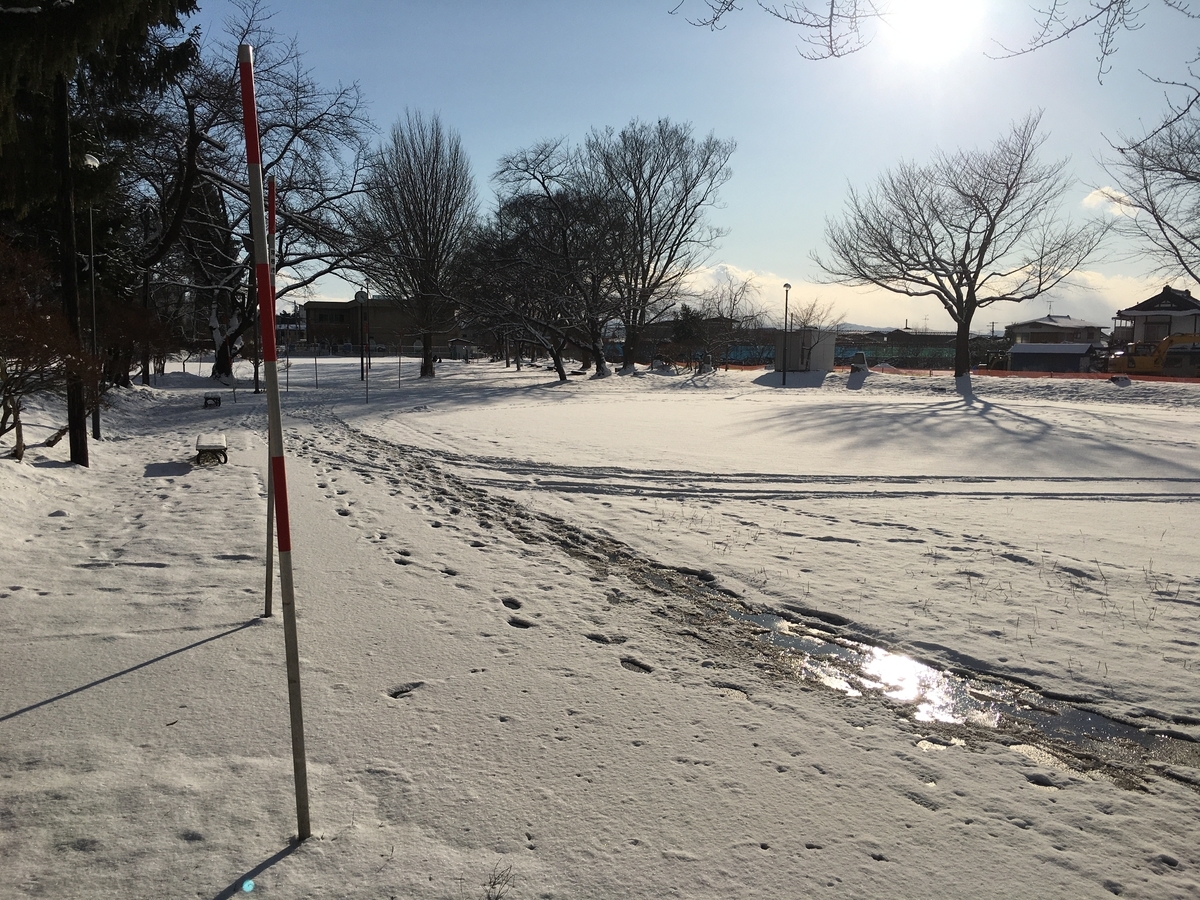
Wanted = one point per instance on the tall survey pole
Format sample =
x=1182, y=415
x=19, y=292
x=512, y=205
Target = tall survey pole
x=267, y=611
x=275, y=434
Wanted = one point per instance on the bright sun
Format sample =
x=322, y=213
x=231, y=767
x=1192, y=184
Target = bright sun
x=931, y=32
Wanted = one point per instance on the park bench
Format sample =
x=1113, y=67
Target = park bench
x=211, y=448
x=212, y=400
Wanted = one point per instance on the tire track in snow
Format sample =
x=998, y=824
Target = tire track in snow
x=690, y=601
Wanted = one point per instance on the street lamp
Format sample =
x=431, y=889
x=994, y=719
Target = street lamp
x=786, y=289
x=92, y=163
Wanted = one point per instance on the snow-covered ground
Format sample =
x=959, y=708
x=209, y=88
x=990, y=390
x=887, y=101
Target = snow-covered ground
x=565, y=588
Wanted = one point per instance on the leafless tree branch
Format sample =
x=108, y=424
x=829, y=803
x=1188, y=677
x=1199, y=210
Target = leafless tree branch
x=970, y=229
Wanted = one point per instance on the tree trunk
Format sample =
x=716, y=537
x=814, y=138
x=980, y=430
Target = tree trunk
x=19, y=436
x=146, y=306
x=427, y=355
x=596, y=339
x=629, y=349
x=122, y=363
x=76, y=405
x=556, y=355
x=962, y=349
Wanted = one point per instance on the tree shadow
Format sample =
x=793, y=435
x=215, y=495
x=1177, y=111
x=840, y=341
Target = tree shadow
x=916, y=425
x=141, y=665
x=235, y=886
x=794, y=380
x=166, y=469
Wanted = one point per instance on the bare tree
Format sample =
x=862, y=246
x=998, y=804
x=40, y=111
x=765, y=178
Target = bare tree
x=663, y=181
x=1158, y=191
x=831, y=28
x=1060, y=19
x=816, y=313
x=810, y=324
x=506, y=287
x=565, y=224
x=731, y=315
x=314, y=144
x=420, y=210
x=971, y=229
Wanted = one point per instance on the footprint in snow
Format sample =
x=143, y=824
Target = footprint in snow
x=605, y=639
x=403, y=690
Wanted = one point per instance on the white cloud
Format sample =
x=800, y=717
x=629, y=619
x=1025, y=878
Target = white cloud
x=1111, y=201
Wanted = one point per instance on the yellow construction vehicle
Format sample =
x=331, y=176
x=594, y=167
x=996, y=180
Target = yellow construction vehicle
x=1150, y=359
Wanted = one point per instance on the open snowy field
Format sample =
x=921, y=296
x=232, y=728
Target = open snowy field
x=652, y=636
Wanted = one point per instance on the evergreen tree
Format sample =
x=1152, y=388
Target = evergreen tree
x=42, y=47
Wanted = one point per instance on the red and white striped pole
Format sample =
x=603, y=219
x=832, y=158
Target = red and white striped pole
x=267, y=612
x=275, y=432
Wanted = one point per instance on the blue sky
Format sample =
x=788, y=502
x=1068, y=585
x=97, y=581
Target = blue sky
x=507, y=74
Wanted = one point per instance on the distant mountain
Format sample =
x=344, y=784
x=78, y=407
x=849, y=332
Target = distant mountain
x=852, y=326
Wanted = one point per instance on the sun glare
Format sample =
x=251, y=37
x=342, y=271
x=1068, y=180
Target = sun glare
x=931, y=32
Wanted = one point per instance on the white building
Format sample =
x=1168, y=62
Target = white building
x=1169, y=312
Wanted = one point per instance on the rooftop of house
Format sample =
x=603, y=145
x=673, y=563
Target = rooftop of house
x=1167, y=300
x=1053, y=321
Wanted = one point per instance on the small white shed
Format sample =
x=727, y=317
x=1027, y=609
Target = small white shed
x=808, y=350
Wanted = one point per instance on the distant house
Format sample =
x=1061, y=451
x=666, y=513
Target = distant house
x=289, y=329
x=1168, y=312
x=1055, y=330
x=1055, y=344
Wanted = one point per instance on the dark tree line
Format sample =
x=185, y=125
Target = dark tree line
x=585, y=238
x=121, y=133
x=123, y=50
x=119, y=123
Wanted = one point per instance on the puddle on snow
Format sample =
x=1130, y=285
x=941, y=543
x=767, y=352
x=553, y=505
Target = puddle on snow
x=937, y=694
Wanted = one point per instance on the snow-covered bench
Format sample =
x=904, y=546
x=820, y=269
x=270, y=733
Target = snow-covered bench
x=211, y=447
x=212, y=400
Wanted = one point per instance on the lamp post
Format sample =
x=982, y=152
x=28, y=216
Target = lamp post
x=786, y=289
x=92, y=163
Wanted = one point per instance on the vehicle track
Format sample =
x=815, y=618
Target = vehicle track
x=688, y=603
